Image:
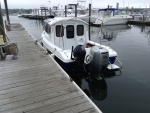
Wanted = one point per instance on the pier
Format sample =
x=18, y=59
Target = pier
x=35, y=83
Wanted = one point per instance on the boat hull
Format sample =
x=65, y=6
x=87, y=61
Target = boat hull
x=114, y=20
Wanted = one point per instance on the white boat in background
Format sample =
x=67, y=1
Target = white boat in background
x=67, y=39
x=107, y=17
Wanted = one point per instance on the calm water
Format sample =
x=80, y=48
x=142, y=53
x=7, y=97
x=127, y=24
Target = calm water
x=127, y=91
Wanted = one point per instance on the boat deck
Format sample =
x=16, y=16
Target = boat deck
x=34, y=83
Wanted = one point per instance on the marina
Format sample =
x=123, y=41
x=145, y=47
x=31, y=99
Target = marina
x=74, y=58
x=125, y=90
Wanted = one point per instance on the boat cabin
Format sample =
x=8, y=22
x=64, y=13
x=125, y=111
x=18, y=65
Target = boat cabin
x=65, y=32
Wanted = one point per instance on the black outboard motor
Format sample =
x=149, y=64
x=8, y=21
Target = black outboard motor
x=79, y=54
x=98, y=60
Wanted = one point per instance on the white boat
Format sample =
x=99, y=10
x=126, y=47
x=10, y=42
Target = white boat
x=67, y=39
x=107, y=17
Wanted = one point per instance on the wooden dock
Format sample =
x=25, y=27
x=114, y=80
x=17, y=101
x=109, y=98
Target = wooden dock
x=34, y=83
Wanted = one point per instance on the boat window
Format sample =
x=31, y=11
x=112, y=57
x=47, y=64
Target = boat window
x=47, y=28
x=70, y=31
x=80, y=30
x=59, y=31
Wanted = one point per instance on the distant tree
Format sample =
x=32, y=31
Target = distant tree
x=17, y=11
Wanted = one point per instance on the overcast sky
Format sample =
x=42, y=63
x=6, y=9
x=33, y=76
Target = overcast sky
x=95, y=3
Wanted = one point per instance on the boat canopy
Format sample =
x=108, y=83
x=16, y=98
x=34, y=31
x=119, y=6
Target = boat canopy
x=63, y=19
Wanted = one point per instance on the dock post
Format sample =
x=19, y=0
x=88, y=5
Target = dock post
x=38, y=14
x=143, y=18
x=65, y=11
x=2, y=31
x=117, y=7
x=75, y=10
x=89, y=21
x=132, y=11
x=126, y=10
x=50, y=11
x=7, y=16
x=45, y=11
x=108, y=7
x=41, y=14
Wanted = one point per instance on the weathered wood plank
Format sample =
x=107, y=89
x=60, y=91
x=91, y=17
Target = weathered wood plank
x=37, y=102
x=77, y=108
x=46, y=91
x=31, y=81
x=62, y=105
x=15, y=92
x=93, y=110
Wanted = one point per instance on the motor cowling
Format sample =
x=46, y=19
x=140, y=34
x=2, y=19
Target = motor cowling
x=79, y=54
x=98, y=59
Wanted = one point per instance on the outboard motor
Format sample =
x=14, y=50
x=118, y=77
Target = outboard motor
x=98, y=60
x=79, y=54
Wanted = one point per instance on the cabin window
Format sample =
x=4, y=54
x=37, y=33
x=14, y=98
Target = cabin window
x=70, y=31
x=59, y=31
x=80, y=30
x=47, y=28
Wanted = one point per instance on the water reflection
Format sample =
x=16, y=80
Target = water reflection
x=108, y=33
x=96, y=89
x=146, y=31
x=110, y=73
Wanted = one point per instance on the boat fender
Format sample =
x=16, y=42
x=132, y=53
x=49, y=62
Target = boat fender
x=140, y=18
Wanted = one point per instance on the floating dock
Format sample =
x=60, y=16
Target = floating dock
x=141, y=20
x=35, y=83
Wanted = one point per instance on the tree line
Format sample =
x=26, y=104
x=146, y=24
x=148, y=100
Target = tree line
x=16, y=11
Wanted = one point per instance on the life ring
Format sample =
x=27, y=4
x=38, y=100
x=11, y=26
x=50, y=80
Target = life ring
x=140, y=18
x=80, y=40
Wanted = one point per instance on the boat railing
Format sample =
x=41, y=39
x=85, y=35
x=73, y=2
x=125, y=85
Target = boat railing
x=114, y=66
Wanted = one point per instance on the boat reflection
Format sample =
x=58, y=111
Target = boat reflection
x=107, y=33
x=94, y=88
x=98, y=89
x=110, y=74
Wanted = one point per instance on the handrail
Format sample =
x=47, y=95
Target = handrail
x=119, y=63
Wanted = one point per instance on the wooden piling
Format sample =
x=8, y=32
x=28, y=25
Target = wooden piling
x=2, y=31
x=75, y=10
x=65, y=11
x=7, y=15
